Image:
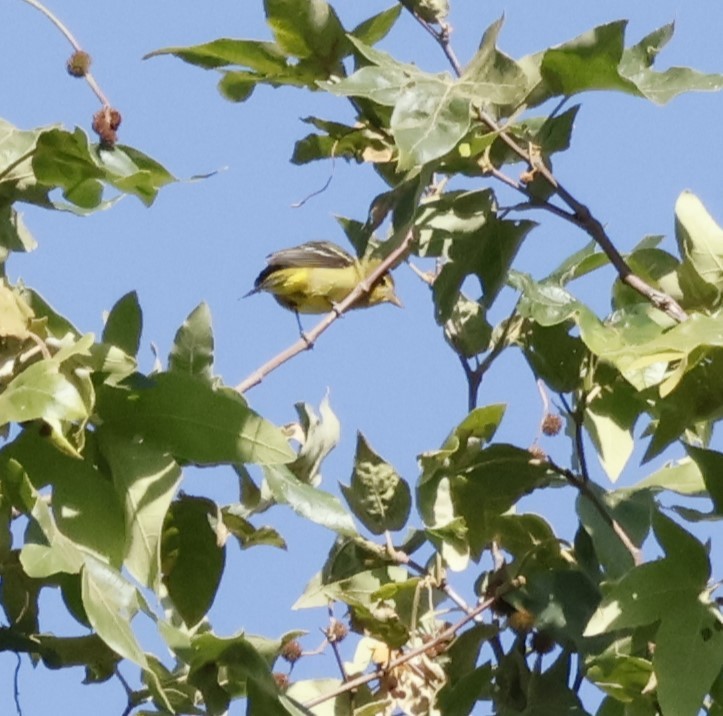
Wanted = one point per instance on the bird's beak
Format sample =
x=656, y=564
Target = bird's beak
x=395, y=300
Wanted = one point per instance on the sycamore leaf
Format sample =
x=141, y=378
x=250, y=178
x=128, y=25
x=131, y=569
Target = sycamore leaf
x=377, y=495
x=192, y=350
x=111, y=602
x=309, y=502
x=124, y=324
x=192, y=419
x=146, y=480
x=192, y=560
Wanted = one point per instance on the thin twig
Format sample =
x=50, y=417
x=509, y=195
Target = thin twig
x=307, y=342
x=16, y=686
x=584, y=487
x=579, y=675
x=578, y=417
x=442, y=636
x=327, y=183
x=583, y=218
x=334, y=643
x=76, y=46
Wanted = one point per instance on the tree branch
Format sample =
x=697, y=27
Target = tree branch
x=583, y=486
x=581, y=216
x=444, y=635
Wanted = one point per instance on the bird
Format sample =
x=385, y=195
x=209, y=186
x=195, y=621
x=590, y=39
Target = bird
x=316, y=276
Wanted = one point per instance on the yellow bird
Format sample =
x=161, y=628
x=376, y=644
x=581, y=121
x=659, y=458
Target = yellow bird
x=316, y=276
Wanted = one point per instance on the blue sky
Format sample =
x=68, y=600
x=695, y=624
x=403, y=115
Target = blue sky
x=388, y=370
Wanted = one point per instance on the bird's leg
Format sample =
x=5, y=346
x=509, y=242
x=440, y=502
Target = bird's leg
x=303, y=335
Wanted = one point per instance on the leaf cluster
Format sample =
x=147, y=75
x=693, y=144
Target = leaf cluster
x=94, y=449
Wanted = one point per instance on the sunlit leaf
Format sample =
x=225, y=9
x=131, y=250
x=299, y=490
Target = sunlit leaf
x=309, y=502
x=192, y=350
x=187, y=416
x=377, y=495
x=145, y=480
x=111, y=602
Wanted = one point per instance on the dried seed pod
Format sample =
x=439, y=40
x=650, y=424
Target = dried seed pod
x=78, y=64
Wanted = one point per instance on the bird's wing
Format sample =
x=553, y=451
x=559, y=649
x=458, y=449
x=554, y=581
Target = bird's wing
x=319, y=254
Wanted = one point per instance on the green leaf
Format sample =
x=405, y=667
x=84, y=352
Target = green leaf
x=376, y=28
x=464, y=443
x=192, y=350
x=632, y=511
x=360, y=143
x=111, y=603
x=428, y=121
x=549, y=692
x=262, y=57
x=146, y=481
x=482, y=484
x=307, y=29
x=588, y=259
x=641, y=597
x=553, y=354
x=487, y=254
x=15, y=314
x=193, y=420
x=658, y=268
x=85, y=505
x=318, y=435
x=377, y=495
x=19, y=596
x=621, y=671
x=700, y=241
x=682, y=549
x=528, y=538
x=89, y=651
x=697, y=397
x=248, y=535
x=467, y=329
x=242, y=665
x=192, y=559
x=266, y=63
x=590, y=61
x=683, y=477
x=610, y=419
x=57, y=325
x=432, y=113
x=124, y=324
x=315, y=505
x=133, y=172
x=14, y=235
x=494, y=76
x=661, y=87
x=45, y=159
x=687, y=658
x=709, y=464
x=62, y=159
x=41, y=391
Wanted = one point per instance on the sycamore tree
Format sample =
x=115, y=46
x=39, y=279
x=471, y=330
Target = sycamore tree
x=436, y=597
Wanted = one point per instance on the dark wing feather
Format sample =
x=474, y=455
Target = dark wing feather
x=320, y=254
